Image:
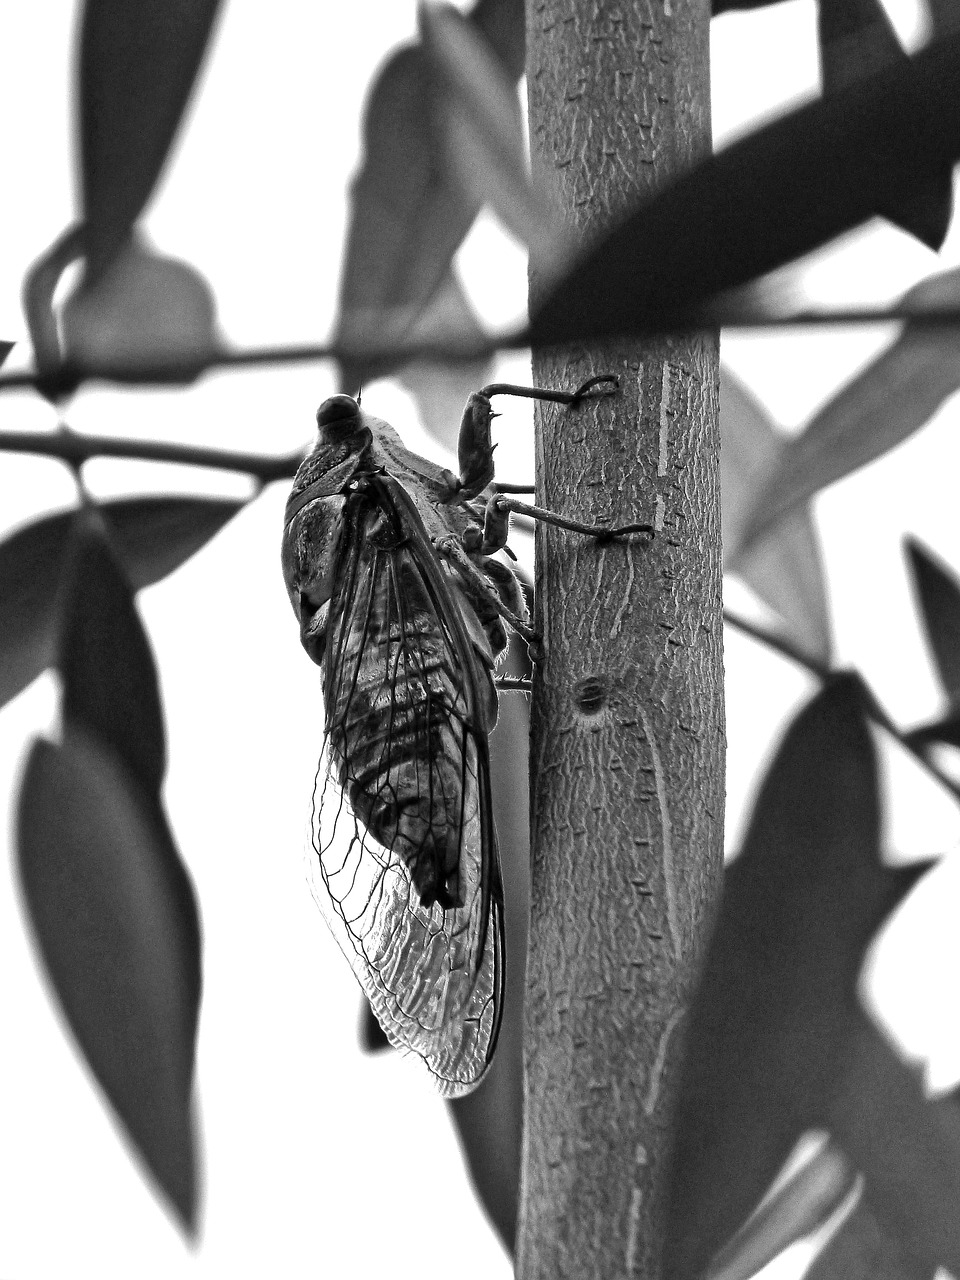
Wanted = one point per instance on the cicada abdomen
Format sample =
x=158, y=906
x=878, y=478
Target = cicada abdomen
x=403, y=855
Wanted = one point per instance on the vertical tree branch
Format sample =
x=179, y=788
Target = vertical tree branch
x=628, y=704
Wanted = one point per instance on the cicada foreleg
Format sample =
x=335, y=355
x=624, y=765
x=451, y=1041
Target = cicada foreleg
x=475, y=447
x=477, y=585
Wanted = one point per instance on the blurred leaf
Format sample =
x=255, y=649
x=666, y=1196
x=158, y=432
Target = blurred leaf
x=5, y=349
x=884, y=404
x=409, y=214
x=503, y=24
x=490, y=1120
x=109, y=932
x=153, y=537
x=441, y=390
x=478, y=117
x=144, y=310
x=762, y=202
x=938, y=594
x=857, y=39
x=138, y=60
x=107, y=670
x=786, y=569
x=862, y=1250
x=777, y=1003
x=801, y=1206
x=907, y=1148
x=111, y=696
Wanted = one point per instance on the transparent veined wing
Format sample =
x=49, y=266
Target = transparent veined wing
x=403, y=861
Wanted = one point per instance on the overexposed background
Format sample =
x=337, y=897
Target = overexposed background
x=320, y=1160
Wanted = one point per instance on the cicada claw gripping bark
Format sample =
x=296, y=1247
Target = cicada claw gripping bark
x=388, y=562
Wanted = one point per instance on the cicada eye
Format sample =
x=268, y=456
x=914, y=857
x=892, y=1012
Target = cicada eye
x=338, y=417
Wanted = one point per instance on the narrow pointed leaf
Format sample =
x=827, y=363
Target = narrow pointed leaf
x=138, y=61
x=111, y=695
x=882, y=406
x=409, y=213
x=153, y=536
x=856, y=39
x=5, y=349
x=801, y=1206
x=478, y=116
x=777, y=1002
x=107, y=670
x=938, y=594
x=786, y=569
x=109, y=932
x=907, y=1148
x=764, y=201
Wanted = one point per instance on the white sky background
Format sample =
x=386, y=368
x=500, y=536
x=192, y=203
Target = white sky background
x=319, y=1160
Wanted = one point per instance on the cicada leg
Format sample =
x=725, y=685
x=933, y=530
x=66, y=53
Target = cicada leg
x=496, y=523
x=475, y=447
x=477, y=585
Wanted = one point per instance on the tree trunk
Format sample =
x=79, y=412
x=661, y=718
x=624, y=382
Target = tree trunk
x=628, y=706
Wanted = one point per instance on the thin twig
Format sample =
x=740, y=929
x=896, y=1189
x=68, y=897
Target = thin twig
x=75, y=449
x=824, y=672
x=70, y=376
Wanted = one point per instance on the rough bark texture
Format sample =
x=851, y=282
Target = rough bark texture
x=628, y=711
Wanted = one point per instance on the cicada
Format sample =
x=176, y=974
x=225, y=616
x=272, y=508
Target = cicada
x=389, y=561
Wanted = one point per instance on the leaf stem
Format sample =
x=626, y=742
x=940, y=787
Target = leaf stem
x=824, y=672
x=746, y=315
x=75, y=449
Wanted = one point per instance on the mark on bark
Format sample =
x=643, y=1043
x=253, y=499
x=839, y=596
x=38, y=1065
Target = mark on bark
x=659, y=1062
x=666, y=830
x=633, y=1229
x=664, y=444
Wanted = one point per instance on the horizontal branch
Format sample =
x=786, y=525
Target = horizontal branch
x=70, y=376
x=73, y=448
x=872, y=707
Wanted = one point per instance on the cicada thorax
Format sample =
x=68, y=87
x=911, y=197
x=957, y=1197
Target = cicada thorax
x=401, y=732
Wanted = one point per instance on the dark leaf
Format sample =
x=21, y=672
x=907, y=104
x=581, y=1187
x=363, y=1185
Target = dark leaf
x=938, y=594
x=784, y=190
x=778, y=997
x=110, y=934
x=786, y=569
x=882, y=406
x=857, y=39
x=153, y=536
x=503, y=24
x=409, y=214
x=138, y=63
x=801, y=1206
x=142, y=311
x=39, y=286
x=862, y=1250
x=5, y=349
x=907, y=1148
x=112, y=698
x=107, y=670
x=490, y=1120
